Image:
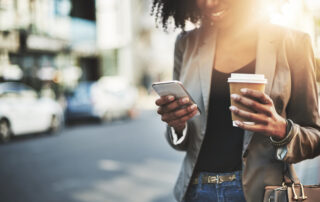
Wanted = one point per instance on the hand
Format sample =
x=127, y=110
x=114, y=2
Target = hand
x=266, y=119
x=176, y=112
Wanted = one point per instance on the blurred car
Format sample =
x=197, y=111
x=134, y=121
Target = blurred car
x=107, y=99
x=121, y=96
x=22, y=111
x=81, y=104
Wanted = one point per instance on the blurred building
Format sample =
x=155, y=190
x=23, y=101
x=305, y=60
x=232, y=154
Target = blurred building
x=314, y=7
x=152, y=48
x=63, y=41
x=49, y=40
x=115, y=36
x=84, y=38
x=34, y=36
x=303, y=15
x=293, y=14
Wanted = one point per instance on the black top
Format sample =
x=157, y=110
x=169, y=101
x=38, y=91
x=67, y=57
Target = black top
x=222, y=146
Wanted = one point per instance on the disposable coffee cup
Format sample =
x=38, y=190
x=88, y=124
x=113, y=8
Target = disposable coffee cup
x=250, y=81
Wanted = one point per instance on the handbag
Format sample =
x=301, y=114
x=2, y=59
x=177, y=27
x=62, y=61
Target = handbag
x=292, y=190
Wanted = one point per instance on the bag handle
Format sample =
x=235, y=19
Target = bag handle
x=290, y=176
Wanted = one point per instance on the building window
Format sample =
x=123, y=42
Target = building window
x=85, y=9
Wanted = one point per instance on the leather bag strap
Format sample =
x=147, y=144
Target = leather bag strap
x=290, y=175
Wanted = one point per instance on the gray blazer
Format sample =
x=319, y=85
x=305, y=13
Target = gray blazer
x=286, y=59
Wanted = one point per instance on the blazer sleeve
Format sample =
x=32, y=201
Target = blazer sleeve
x=302, y=108
x=180, y=45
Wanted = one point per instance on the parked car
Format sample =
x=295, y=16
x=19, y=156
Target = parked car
x=121, y=96
x=107, y=99
x=82, y=104
x=22, y=111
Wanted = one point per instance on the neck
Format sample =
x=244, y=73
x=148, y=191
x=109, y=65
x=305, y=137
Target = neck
x=242, y=29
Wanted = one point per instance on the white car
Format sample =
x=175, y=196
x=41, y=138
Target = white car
x=23, y=112
x=117, y=97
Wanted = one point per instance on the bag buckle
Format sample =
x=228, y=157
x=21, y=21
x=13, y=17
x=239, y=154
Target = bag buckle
x=295, y=197
x=283, y=187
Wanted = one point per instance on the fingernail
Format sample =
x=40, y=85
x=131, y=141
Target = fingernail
x=238, y=123
x=243, y=90
x=235, y=96
x=170, y=98
x=193, y=107
x=185, y=100
x=233, y=108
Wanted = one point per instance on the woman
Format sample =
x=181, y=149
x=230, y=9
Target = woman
x=226, y=163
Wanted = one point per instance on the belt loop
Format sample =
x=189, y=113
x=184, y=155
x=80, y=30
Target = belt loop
x=200, y=180
x=239, y=176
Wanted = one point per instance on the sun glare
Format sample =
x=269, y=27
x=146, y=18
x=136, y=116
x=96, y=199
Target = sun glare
x=291, y=13
x=280, y=14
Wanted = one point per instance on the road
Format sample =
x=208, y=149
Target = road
x=124, y=161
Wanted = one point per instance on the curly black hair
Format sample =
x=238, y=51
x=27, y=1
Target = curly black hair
x=179, y=10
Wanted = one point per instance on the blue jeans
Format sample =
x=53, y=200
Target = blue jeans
x=224, y=192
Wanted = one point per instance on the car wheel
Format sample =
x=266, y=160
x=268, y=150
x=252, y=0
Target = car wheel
x=55, y=124
x=5, y=131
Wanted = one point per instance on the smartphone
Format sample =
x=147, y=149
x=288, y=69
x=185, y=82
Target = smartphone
x=174, y=88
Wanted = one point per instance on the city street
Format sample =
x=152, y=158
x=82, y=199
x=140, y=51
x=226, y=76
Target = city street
x=117, y=162
x=63, y=60
x=124, y=161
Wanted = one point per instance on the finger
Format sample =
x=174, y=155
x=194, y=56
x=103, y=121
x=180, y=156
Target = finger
x=164, y=100
x=181, y=112
x=257, y=95
x=257, y=118
x=252, y=104
x=160, y=110
x=176, y=104
x=188, y=116
x=168, y=117
x=183, y=119
x=175, y=114
x=168, y=111
x=260, y=128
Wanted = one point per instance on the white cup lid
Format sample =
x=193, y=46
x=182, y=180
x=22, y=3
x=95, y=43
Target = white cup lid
x=247, y=78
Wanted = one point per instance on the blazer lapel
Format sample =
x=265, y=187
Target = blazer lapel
x=266, y=56
x=265, y=64
x=205, y=58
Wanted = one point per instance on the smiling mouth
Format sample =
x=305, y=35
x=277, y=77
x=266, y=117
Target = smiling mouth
x=218, y=14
